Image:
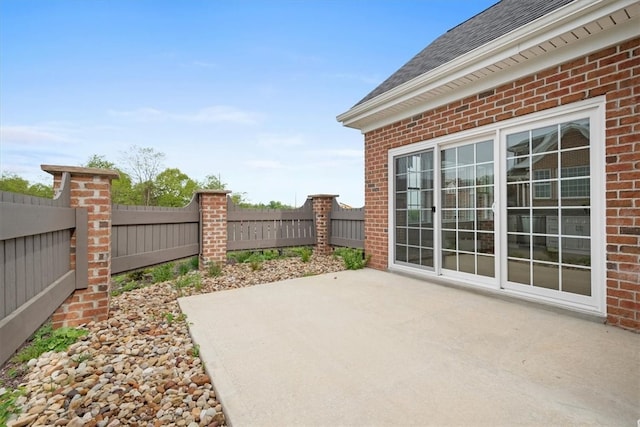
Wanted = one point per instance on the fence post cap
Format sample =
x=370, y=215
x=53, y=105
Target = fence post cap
x=320, y=196
x=79, y=170
x=213, y=191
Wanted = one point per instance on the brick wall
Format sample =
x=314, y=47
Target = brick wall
x=213, y=205
x=613, y=72
x=90, y=189
x=322, y=211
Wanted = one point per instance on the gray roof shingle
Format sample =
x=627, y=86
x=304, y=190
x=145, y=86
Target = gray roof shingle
x=499, y=19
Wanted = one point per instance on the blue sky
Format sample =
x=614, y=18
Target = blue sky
x=245, y=90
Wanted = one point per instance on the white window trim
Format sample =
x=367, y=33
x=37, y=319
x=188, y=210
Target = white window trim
x=594, y=108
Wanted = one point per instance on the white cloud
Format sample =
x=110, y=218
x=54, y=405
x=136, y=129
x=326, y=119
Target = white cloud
x=215, y=114
x=29, y=135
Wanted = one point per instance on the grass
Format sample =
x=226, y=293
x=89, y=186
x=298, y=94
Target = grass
x=195, y=350
x=353, y=259
x=214, y=269
x=8, y=405
x=189, y=280
x=48, y=339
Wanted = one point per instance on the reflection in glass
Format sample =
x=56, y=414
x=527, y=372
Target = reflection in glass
x=401, y=200
x=413, y=236
x=413, y=255
x=576, y=280
x=484, y=174
x=465, y=155
x=401, y=217
x=401, y=235
x=448, y=157
x=401, y=183
x=449, y=260
x=546, y=276
x=576, y=222
x=518, y=272
x=518, y=220
x=485, y=243
x=401, y=253
x=449, y=240
x=544, y=139
x=426, y=257
x=466, y=241
x=574, y=163
x=519, y=246
x=486, y=266
x=484, y=151
x=518, y=169
x=575, y=134
x=401, y=165
x=518, y=144
x=466, y=263
x=576, y=251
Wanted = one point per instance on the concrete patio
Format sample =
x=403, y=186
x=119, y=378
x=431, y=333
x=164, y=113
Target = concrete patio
x=374, y=348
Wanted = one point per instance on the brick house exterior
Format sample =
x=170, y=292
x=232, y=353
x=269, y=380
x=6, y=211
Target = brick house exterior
x=557, y=221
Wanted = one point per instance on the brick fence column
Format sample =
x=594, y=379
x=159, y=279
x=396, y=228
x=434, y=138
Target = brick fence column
x=213, y=226
x=322, y=211
x=90, y=188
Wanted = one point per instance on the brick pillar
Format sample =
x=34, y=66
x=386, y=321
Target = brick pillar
x=322, y=211
x=213, y=217
x=90, y=188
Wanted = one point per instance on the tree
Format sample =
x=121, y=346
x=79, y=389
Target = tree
x=173, y=188
x=212, y=182
x=143, y=164
x=15, y=184
x=122, y=191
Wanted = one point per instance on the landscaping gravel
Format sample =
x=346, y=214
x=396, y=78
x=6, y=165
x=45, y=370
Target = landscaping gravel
x=140, y=367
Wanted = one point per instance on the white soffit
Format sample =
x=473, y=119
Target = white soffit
x=535, y=46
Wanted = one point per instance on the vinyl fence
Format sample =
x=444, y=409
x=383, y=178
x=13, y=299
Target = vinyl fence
x=347, y=226
x=35, y=253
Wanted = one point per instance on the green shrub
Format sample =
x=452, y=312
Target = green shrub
x=135, y=276
x=189, y=280
x=126, y=287
x=194, y=262
x=214, y=269
x=353, y=259
x=239, y=256
x=48, y=339
x=305, y=254
x=162, y=272
x=270, y=254
x=8, y=405
x=255, y=261
x=183, y=268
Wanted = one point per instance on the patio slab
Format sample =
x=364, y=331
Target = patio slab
x=374, y=348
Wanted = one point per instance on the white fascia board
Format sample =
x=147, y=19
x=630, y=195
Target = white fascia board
x=560, y=21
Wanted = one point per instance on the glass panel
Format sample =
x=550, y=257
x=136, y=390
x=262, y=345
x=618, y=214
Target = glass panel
x=401, y=235
x=401, y=183
x=519, y=246
x=485, y=243
x=518, y=169
x=466, y=241
x=401, y=165
x=518, y=144
x=466, y=176
x=544, y=139
x=576, y=251
x=545, y=221
x=576, y=280
x=466, y=198
x=426, y=238
x=466, y=220
x=449, y=199
x=545, y=193
x=467, y=263
x=413, y=181
x=449, y=260
x=545, y=248
x=518, y=220
x=401, y=200
x=449, y=179
x=413, y=255
x=427, y=199
x=484, y=217
x=518, y=272
x=486, y=266
x=449, y=240
x=427, y=160
x=576, y=222
x=414, y=236
x=401, y=217
x=401, y=253
x=484, y=174
x=465, y=155
x=448, y=158
x=426, y=257
x=546, y=276
x=427, y=218
x=484, y=151
x=574, y=163
x=426, y=182
x=449, y=219
x=545, y=166
x=518, y=195
x=575, y=192
x=575, y=134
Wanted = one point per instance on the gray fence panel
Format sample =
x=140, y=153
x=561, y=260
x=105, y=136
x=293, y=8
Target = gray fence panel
x=35, y=274
x=347, y=226
x=143, y=236
x=269, y=228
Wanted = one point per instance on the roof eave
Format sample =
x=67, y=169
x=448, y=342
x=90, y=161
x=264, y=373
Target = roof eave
x=544, y=28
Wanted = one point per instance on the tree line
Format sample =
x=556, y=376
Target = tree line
x=143, y=181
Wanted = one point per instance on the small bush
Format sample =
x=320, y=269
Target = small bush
x=354, y=259
x=194, y=262
x=183, y=268
x=270, y=254
x=305, y=254
x=134, y=276
x=255, y=261
x=8, y=405
x=214, y=269
x=239, y=256
x=125, y=287
x=162, y=272
x=189, y=280
x=48, y=339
